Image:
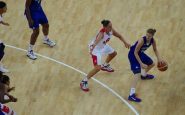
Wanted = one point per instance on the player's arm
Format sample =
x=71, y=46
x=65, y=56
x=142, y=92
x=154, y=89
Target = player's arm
x=118, y=35
x=11, y=99
x=98, y=38
x=27, y=5
x=138, y=47
x=3, y=101
x=156, y=51
x=11, y=89
x=4, y=23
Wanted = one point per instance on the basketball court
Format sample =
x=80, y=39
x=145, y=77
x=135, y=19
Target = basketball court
x=50, y=84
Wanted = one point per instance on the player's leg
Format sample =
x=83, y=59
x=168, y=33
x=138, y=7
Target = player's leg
x=111, y=54
x=148, y=61
x=33, y=39
x=110, y=57
x=45, y=30
x=136, y=69
x=34, y=35
x=2, y=69
x=97, y=67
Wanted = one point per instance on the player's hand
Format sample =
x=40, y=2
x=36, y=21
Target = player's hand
x=12, y=89
x=14, y=100
x=127, y=45
x=144, y=66
x=91, y=48
x=160, y=61
x=6, y=24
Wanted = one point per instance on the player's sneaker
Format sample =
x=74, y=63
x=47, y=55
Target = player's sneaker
x=2, y=69
x=49, y=42
x=31, y=55
x=134, y=98
x=147, y=77
x=107, y=68
x=84, y=86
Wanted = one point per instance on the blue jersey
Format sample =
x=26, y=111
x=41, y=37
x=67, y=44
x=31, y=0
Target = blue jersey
x=35, y=5
x=144, y=47
x=37, y=14
x=135, y=65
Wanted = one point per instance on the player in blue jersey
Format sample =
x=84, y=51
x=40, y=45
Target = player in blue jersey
x=35, y=16
x=140, y=62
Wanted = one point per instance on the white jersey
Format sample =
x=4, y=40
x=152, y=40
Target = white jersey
x=1, y=18
x=103, y=41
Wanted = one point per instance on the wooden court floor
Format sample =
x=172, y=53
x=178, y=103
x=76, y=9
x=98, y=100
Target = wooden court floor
x=46, y=87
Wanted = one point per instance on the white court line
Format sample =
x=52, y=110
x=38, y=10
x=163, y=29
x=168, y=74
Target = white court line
x=104, y=85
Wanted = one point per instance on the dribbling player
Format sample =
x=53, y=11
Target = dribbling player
x=99, y=47
x=35, y=16
x=140, y=62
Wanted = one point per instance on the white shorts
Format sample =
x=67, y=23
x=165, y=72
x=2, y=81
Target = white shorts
x=98, y=53
x=5, y=110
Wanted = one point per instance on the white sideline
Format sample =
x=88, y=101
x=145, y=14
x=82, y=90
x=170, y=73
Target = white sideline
x=104, y=85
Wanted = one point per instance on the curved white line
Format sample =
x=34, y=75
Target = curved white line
x=104, y=85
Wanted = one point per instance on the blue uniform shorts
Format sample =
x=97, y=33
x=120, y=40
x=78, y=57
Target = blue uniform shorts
x=2, y=47
x=135, y=66
x=38, y=17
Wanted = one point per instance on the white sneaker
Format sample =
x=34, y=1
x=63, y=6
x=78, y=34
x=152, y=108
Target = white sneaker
x=107, y=68
x=31, y=55
x=2, y=69
x=84, y=86
x=49, y=42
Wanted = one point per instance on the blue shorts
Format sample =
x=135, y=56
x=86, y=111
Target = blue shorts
x=135, y=66
x=38, y=17
x=2, y=47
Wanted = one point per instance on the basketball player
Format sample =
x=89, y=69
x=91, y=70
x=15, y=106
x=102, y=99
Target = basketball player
x=35, y=16
x=3, y=9
x=140, y=62
x=5, y=97
x=99, y=47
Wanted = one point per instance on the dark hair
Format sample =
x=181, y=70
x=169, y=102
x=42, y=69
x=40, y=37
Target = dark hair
x=2, y=4
x=151, y=31
x=4, y=79
x=105, y=23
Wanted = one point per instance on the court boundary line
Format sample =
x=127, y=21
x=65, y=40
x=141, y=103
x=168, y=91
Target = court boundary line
x=81, y=72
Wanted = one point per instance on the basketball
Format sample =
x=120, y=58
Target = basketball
x=162, y=67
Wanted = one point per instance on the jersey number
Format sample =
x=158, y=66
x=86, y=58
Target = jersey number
x=104, y=42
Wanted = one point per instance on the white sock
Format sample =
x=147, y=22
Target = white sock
x=105, y=64
x=143, y=72
x=132, y=91
x=30, y=47
x=46, y=38
x=85, y=79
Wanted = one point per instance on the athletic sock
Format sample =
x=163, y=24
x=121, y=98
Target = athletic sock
x=46, y=38
x=85, y=78
x=143, y=72
x=30, y=47
x=132, y=91
x=105, y=64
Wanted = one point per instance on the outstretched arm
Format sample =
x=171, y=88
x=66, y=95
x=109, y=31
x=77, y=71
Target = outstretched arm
x=4, y=23
x=118, y=35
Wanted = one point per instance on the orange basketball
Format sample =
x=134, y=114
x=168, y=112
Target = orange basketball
x=162, y=67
